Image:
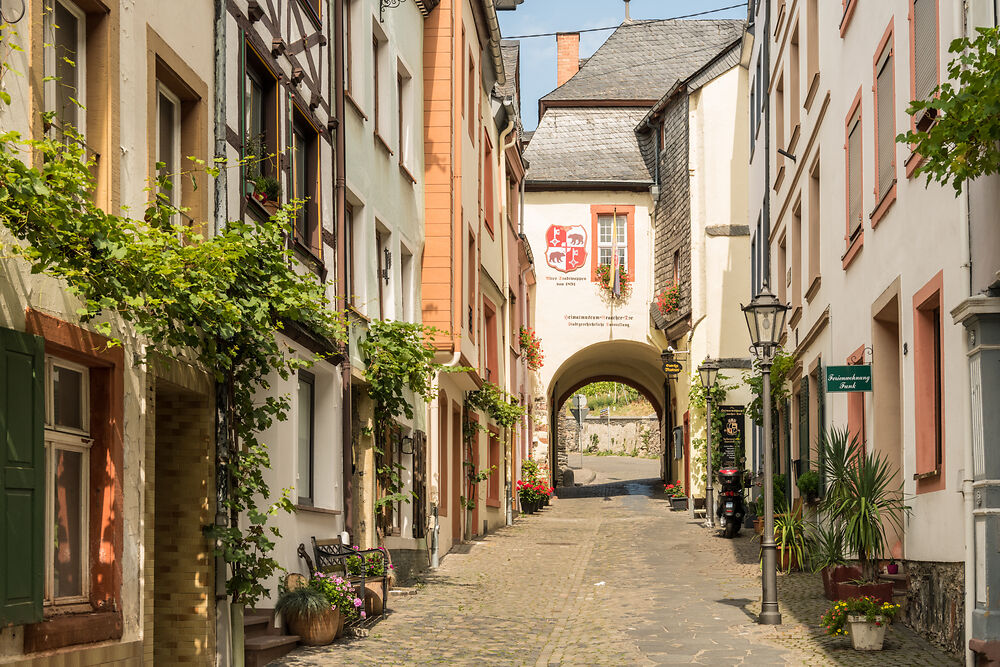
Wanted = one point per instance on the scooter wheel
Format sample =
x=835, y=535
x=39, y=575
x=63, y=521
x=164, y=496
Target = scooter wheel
x=730, y=530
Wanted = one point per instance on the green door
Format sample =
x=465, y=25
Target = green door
x=22, y=477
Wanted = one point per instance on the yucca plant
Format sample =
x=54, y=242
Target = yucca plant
x=790, y=533
x=839, y=452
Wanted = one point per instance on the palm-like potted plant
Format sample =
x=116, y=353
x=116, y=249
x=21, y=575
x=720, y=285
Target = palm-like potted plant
x=790, y=531
x=829, y=559
x=864, y=495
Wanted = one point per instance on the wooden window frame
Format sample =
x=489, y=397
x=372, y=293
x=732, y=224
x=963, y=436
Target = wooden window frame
x=853, y=243
x=886, y=56
x=257, y=68
x=493, y=452
x=489, y=187
x=629, y=213
x=308, y=378
x=928, y=385
x=80, y=63
x=349, y=254
x=491, y=344
x=308, y=238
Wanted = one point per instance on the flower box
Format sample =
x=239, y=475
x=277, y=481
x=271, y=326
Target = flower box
x=865, y=635
x=678, y=503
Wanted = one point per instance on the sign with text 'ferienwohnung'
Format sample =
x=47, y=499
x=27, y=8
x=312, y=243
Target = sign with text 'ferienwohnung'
x=849, y=378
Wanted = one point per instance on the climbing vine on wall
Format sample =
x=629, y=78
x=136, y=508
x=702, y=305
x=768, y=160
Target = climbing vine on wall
x=698, y=400
x=217, y=301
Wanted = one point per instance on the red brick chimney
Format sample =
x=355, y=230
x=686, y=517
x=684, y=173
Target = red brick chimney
x=567, y=56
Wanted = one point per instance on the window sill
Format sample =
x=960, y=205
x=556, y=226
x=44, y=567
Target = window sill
x=796, y=316
x=793, y=140
x=351, y=102
x=779, y=177
x=811, y=92
x=352, y=309
x=848, y=14
x=71, y=629
x=316, y=510
x=853, y=248
x=406, y=172
x=383, y=143
x=309, y=258
x=918, y=476
x=493, y=502
x=883, y=206
x=813, y=288
x=912, y=162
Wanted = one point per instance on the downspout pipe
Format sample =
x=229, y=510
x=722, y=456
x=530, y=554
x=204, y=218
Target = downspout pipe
x=969, y=521
x=765, y=243
x=508, y=132
x=342, y=254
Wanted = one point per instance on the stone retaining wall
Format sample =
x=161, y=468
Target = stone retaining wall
x=624, y=436
x=935, y=602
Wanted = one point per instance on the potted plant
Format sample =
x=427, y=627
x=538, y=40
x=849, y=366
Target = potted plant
x=829, y=560
x=531, y=348
x=669, y=300
x=864, y=618
x=864, y=491
x=531, y=495
x=790, y=538
x=267, y=191
x=678, y=499
x=808, y=483
x=373, y=566
x=309, y=615
x=606, y=285
x=340, y=593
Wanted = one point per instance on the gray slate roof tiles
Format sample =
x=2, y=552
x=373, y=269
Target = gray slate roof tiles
x=642, y=59
x=596, y=144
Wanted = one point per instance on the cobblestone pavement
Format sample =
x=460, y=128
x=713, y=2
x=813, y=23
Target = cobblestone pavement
x=607, y=575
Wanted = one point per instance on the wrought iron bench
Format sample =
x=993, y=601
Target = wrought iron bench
x=331, y=557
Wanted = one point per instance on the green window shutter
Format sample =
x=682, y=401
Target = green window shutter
x=804, y=424
x=22, y=477
x=821, y=420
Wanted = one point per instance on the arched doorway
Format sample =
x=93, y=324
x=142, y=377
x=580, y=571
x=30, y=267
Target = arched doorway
x=628, y=362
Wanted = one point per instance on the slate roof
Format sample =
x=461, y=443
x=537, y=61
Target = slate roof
x=595, y=144
x=642, y=59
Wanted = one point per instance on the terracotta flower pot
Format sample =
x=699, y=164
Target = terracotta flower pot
x=881, y=592
x=317, y=630
x=758, y=525
x=836, y=574
x=374, y=602
x=340, y=626
x=787, y=560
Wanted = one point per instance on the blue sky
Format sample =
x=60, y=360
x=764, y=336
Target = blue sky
x=538, y=55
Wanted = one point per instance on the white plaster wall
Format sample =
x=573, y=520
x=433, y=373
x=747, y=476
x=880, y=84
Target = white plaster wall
x=562, y=295
x=282, y=443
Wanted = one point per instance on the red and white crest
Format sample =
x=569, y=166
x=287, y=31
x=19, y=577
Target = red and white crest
x=566, y=247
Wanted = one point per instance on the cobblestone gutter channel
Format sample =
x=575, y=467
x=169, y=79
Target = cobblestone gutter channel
x=607, y=575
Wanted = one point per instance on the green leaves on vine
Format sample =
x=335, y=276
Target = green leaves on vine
x=503, y=408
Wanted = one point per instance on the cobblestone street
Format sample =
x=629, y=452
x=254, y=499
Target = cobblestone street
x=607, y=575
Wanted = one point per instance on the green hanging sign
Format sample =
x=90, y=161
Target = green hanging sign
x=849, y=378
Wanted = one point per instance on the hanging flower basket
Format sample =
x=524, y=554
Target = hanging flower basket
x=669, y=300
x=531, y=348
x=605, y=284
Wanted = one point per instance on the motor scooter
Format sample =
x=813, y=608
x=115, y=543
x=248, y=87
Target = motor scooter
x=731, y=508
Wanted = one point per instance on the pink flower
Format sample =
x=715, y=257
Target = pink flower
x=364, y=615
x=358, y=602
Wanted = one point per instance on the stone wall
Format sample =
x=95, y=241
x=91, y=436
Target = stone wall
x=935, y=602
x=626, y=436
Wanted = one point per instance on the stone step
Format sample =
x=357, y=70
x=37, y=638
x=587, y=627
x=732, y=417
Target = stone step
x=262, y=649
x=256, y=623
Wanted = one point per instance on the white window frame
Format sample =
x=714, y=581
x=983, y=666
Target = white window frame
x=176, y=181
x=621, y=241
x=49, y=65
x=73, y=440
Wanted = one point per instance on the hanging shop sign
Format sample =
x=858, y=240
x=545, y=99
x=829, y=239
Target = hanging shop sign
x=849, y=378
x=672, y=368
x=733, y=421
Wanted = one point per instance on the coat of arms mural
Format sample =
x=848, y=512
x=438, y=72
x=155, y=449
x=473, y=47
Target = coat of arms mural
x=566, y=247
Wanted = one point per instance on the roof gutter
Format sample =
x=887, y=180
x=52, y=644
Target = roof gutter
x=489, y=6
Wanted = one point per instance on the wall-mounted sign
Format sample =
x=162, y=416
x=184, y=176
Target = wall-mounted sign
x=849, y=378
x=672, y=367
x=566, y=247
x=733, y=420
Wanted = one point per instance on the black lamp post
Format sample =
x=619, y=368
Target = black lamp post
x=766, y=320
x=709, y=372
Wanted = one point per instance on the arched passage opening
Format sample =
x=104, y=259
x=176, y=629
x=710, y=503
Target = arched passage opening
x=628, y=362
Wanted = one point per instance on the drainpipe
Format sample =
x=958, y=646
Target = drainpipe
x=340, y=196
x=502, y=171
x=221, y=213
x=229, y=625
x=958, y=16
x=765, y=48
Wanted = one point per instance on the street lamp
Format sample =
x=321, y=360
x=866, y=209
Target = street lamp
x=766, y=320
x=709, y=372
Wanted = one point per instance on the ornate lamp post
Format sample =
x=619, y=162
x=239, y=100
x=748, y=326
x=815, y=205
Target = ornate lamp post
x=766, y=320
x=709, y=372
